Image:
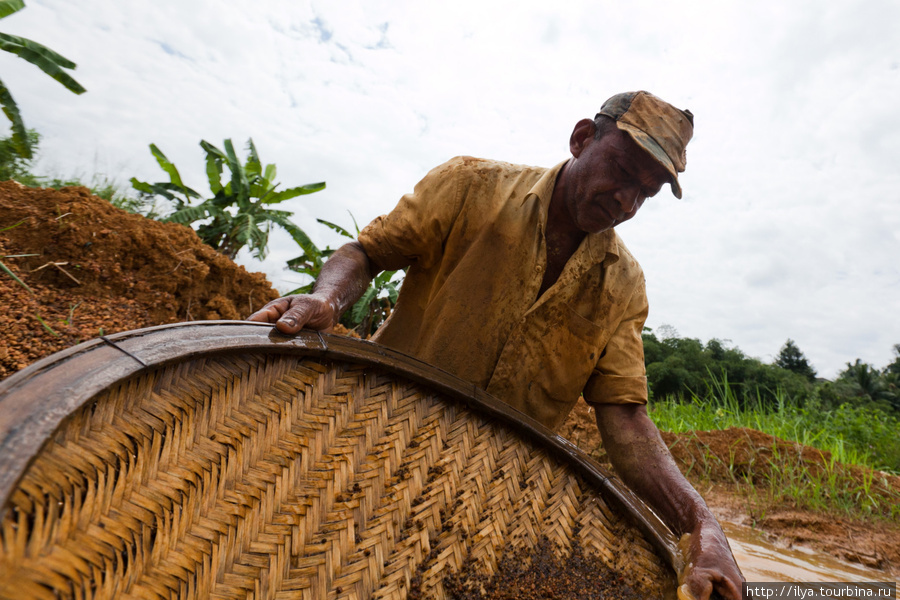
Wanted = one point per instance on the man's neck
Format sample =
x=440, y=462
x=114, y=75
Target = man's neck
x=561, y=234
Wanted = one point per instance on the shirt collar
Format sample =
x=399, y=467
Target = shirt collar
x=602, y=247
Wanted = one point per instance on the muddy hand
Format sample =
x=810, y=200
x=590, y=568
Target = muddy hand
x=710, y=572
x=292, y=313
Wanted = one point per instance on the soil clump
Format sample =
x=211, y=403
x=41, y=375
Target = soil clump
x=539, y=573
x=93, y=269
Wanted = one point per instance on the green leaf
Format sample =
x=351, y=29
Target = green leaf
x=306, y=265
x=13, y=227
x=164, y=189
x=240, y=187
x=302, y=240
x=253, y=167
x=141, y=186
x=11, y=110
x=166, y=165
x=6, y=270
x=361, y=308
x=212, y=150
x=8, y=7
x=355, y=224
x=252, y=154
x=246, y=231
x=214, y=173
x=269, y=175
x=187, y=215
x=276, y=215
x=382, y=278
x=43, y=58
x=294, y=192
x=45, y=326
x=336, y=228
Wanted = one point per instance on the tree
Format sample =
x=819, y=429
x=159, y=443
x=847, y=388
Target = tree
x=894, y=367
x=686, y=368
x=239, y=213
x=871, y=384
x=45, y=59
x=791, y=358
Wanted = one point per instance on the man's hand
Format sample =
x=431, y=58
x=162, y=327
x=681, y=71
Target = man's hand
x=709, y=565
x=344, y=278
x=292, y=313
x=642, y=460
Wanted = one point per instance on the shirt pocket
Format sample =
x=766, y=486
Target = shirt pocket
x=580, y=345
x=546, y=363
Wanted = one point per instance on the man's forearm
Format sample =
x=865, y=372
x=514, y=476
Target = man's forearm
x=643, y=462
x=345, y=277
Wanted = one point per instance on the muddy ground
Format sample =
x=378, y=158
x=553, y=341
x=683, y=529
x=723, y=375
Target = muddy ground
x=91, y=269
x=718, y=462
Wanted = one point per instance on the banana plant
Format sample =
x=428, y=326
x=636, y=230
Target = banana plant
x=239, y=213
x=50, y=62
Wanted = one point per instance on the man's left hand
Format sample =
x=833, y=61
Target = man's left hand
x=709, y=566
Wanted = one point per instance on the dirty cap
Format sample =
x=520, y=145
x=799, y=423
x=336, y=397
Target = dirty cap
x=657, y=127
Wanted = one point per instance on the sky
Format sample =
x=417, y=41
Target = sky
x=789, y=223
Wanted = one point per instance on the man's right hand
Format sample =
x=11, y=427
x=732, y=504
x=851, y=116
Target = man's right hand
x=343, y=279
x=292, y=313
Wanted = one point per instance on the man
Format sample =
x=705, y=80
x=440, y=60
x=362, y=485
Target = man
x=518, y=283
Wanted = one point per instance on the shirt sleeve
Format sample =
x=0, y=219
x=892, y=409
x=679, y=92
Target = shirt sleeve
x=620, y=376
x=415, y=231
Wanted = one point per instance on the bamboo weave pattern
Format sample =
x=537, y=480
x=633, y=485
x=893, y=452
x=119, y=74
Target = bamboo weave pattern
x=270, y=476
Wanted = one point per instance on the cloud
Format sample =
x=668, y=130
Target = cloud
x=789, y=223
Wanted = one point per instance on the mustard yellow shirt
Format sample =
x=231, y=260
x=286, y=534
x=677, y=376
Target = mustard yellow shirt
x=472, y=234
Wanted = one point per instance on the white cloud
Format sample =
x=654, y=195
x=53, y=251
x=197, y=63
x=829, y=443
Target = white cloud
x=788, y=225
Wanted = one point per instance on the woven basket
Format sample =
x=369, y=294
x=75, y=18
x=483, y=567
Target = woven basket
x=222, y=460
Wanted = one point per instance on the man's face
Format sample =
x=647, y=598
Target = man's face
x=609, y=180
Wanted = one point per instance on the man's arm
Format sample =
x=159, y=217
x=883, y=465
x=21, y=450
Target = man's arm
x=344, y=278
x=642, y=460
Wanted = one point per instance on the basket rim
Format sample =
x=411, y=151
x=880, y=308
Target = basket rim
x=35, y=402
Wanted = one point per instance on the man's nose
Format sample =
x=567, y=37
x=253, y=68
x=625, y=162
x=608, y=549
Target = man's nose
x=628, y=198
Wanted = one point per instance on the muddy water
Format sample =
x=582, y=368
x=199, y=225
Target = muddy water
x=760, y=560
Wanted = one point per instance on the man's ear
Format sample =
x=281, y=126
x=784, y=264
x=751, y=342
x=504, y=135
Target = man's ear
x=581, y=135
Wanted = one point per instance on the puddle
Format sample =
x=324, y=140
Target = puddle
x=763, y=561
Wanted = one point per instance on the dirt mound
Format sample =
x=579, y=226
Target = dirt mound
x=93, y=269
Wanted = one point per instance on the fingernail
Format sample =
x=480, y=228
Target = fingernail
x=290, y=322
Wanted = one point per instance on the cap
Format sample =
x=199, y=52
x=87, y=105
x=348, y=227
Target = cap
x=656, y=126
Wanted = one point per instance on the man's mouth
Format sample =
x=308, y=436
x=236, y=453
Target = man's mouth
x=604, y=207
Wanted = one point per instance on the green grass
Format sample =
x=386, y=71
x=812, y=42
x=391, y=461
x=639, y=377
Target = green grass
x=852, y=435
x=855, y=435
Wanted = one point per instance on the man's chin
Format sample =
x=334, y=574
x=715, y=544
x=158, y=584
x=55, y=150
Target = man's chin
x=598, y=227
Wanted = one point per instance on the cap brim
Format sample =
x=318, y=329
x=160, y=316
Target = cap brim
x=659, y=155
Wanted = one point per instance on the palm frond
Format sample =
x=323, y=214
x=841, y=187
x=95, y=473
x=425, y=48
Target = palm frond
x=336, y=228
x=11, y=110
x=8, y=7
x=48, y=61
x=187, y=215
